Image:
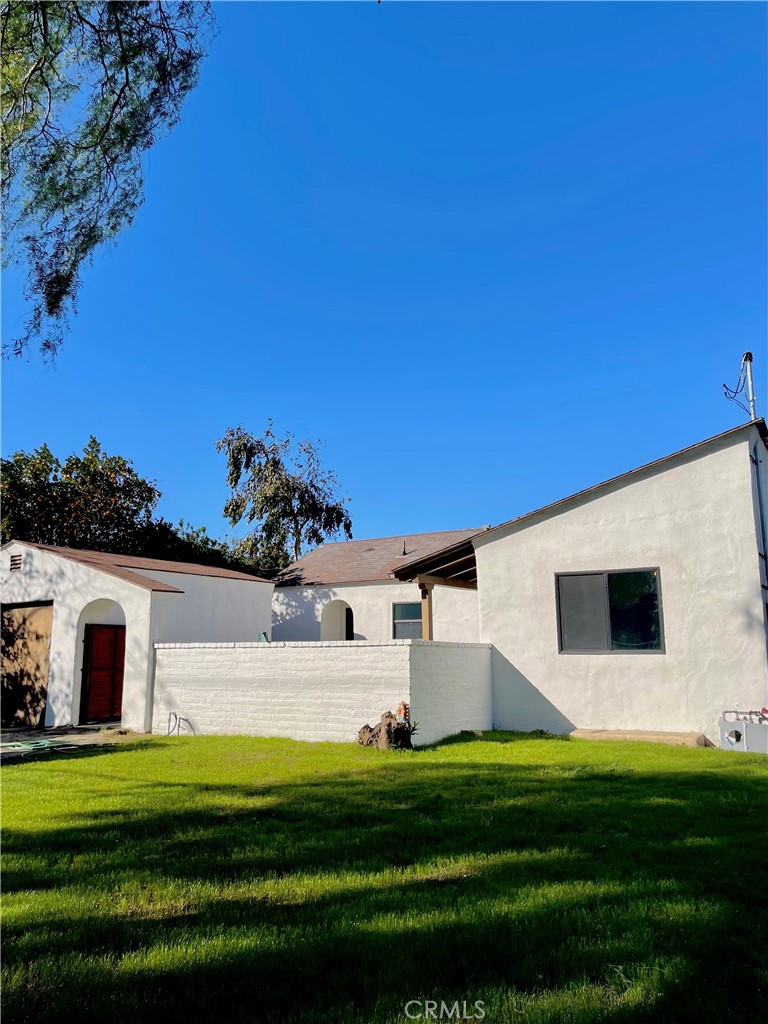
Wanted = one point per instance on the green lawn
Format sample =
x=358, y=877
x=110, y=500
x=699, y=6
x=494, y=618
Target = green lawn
x=233, y=879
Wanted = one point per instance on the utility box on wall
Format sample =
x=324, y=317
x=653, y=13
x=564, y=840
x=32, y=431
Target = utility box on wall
x=746, y=731
x=757, y=736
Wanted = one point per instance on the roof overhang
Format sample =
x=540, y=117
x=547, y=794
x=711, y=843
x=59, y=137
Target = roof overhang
x=454, y=566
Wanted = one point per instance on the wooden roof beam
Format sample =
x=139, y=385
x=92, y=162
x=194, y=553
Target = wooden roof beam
x=435, y=565
x=439, y=581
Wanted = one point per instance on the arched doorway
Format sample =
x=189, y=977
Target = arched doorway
x=100, y=663
x=337, y=622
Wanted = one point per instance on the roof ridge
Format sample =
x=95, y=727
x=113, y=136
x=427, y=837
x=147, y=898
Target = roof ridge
x=395, y=536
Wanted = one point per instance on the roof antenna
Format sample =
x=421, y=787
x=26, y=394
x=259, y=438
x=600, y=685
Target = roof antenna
x=744, y=384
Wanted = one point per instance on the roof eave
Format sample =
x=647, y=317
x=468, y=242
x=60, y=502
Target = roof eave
x=334, y=583
x=411, y=569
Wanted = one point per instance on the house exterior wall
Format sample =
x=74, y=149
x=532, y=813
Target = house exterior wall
x=759, y=460
x=210, y=608
x=322, y=691
x=297, y=611
x=213, y=609
x=79, y=595
x=695, y=520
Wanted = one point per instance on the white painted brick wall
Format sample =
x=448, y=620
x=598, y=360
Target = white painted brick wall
x=322, y=690
x=451, y=689
x=304, y=691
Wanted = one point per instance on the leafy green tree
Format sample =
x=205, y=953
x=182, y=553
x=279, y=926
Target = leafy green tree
x=280, y=486
x=266, y=558
x=94, y=500
x=87, y=87
x=99, y=502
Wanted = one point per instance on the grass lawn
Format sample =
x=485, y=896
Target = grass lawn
x=235, y=879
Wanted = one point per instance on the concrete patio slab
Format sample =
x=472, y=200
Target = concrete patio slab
x=22, y=742
x=674, y=739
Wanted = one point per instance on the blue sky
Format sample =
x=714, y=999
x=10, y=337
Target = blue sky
x=490, y=253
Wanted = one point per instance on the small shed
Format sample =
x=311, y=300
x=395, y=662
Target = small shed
x=79, y=628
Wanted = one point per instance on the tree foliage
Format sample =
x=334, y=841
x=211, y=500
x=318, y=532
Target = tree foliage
x=280, y=486
x=87, y=87
x=99, y=502
x=94, y=500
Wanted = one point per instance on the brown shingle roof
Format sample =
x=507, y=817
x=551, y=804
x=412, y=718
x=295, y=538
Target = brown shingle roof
x=121, y=566
x=364, y=561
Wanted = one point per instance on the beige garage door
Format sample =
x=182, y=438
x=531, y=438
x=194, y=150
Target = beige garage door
x=26, y=637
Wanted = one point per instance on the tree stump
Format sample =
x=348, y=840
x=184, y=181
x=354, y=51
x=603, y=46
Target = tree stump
x=366, y=736
x=386, y=730
x=387, y=734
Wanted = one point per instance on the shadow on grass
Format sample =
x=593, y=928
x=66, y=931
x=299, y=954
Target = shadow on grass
x=551, y=892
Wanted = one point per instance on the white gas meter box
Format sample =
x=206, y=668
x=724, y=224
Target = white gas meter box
x=757, y=736
x=746, y=731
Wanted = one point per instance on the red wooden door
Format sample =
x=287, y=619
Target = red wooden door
x=103, y=667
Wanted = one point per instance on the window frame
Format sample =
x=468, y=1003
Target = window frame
x=420, y=620
x=605, y=573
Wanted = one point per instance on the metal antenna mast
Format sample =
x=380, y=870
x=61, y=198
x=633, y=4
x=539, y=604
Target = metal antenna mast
x=743, y=385
x=747, y=363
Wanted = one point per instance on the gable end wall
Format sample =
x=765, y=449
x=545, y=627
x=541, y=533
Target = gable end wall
x=695, y=520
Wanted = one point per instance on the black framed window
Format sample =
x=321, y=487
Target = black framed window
x=406, y=621
x=601, y=612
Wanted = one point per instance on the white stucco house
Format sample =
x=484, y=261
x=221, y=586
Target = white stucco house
x=346, y=591
x=637, y=604
x=640, y=603
x=97, y=617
